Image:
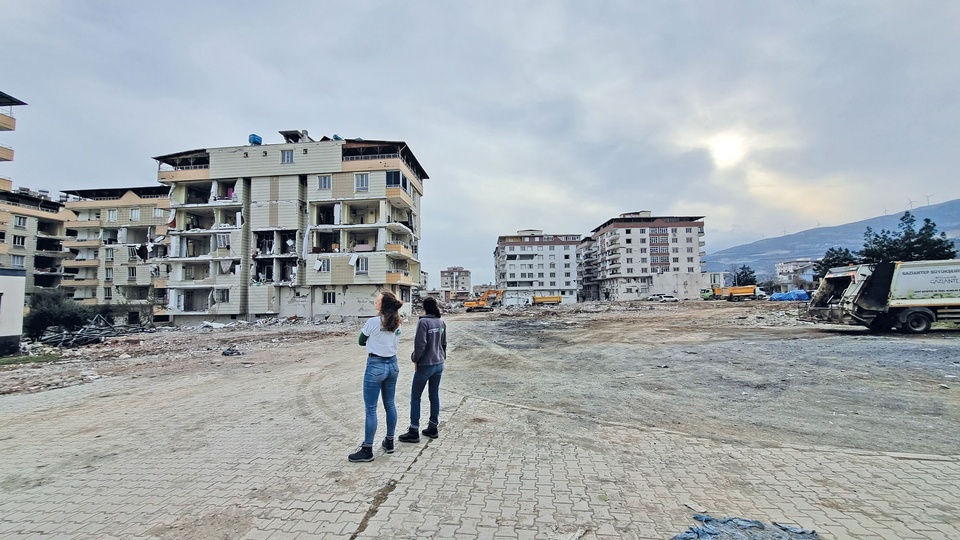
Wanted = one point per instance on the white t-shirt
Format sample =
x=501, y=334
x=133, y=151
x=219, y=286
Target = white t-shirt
x=381, y=342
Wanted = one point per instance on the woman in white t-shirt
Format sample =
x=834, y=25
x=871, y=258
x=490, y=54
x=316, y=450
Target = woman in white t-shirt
x=381, y=336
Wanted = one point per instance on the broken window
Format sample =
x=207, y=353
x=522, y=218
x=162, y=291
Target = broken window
x=265, y=243
x=288, y=242
x=223, y=295
x=362, y=265
x=223, y=241
x=264, y=273
x=288, y=271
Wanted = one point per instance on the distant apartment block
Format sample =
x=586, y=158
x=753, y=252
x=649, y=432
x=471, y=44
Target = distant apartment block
x=637, y=254
x=117, y=242
x=31, y=236
x=531, y=263
x=308, y=228
x=796, y=274
x=455, y=278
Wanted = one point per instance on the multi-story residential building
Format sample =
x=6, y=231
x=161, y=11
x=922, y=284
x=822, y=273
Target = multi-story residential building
x=638, y=254
x=796, y=274
x=454, y=279
x=117, y=238
x=31, y=234
x=531, y=263
x=300, y=228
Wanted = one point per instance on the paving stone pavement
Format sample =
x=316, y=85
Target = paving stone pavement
x=260, y=452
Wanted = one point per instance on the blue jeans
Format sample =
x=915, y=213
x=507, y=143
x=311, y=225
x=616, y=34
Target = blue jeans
x=380, y=379
x=424, y=375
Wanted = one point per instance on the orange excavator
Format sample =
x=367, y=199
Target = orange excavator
x=487, y=301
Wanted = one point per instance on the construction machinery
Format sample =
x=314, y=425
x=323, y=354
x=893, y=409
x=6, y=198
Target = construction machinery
x=736, y=293
x=547, y=300
x=486, y=302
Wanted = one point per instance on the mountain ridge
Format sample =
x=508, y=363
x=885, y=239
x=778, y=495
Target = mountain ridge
x=763, y=255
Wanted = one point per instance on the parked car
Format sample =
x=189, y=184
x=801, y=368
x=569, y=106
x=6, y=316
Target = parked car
x=654, y=297
x=668, y=298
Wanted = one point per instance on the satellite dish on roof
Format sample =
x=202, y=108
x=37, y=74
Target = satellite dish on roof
x=255, y=139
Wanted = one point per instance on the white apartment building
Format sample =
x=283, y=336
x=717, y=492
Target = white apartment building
x=301, y=228
x=637, y=254
x=12, y=281
x=531, y=263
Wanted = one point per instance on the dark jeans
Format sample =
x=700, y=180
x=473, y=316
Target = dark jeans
x=423, y=376
x=379, y=381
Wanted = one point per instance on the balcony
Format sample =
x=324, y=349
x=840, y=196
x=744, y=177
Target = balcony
x=401, y=250
x=398, y=197
x=399, y=277
x=6, y=153
x=79, y=282
x=183, y=174
x=7, y=122
x=81, y=263
x=86, y=242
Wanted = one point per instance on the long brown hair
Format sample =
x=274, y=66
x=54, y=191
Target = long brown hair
x=390, y=311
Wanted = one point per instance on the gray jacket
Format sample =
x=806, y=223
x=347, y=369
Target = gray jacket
x=430, y=345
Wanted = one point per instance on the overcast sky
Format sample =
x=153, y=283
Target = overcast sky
x=765, y=117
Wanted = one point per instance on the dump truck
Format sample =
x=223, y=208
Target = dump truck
x=737, y=293
x=547, y=300
x=486, y=302
x=907, y=296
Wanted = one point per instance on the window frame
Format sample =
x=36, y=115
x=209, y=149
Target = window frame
x=362, y=267
x=357, y=182
x=20, y=222
x=324, y=182
x=286, y=156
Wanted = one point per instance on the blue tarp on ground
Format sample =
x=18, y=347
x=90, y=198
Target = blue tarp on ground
x=733, y=528
x=798, y=295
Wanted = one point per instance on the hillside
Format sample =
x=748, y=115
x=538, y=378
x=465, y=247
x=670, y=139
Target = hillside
x=763, y=255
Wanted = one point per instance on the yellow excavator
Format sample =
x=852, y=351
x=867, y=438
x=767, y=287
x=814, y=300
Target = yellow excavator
x=487, y=301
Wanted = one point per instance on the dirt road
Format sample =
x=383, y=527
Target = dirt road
x=745, y=372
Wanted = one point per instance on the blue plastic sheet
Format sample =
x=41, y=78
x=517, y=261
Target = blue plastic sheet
x=734, y=528
x=798, y=295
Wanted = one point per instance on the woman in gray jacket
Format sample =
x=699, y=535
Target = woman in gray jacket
x=429, y=353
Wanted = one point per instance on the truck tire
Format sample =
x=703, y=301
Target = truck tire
x=917, y=322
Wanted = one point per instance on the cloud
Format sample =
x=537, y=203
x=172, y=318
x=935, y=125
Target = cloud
x=554, y=116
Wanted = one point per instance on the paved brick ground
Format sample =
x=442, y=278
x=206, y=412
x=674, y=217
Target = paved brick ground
x=260, y=452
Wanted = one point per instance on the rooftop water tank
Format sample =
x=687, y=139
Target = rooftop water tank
x=255, y=139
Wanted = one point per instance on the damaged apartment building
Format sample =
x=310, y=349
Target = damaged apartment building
x=116, y=238
x=307, y=228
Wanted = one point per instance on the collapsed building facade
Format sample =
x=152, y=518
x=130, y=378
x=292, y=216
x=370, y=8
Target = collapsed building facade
x=301, y=228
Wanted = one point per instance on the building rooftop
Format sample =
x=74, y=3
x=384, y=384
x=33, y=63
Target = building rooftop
x=6, y=100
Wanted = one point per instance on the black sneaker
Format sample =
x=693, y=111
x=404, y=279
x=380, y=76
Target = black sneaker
x=412, y=435
x=364, y=453
x=387, y=445
x=431, y=432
